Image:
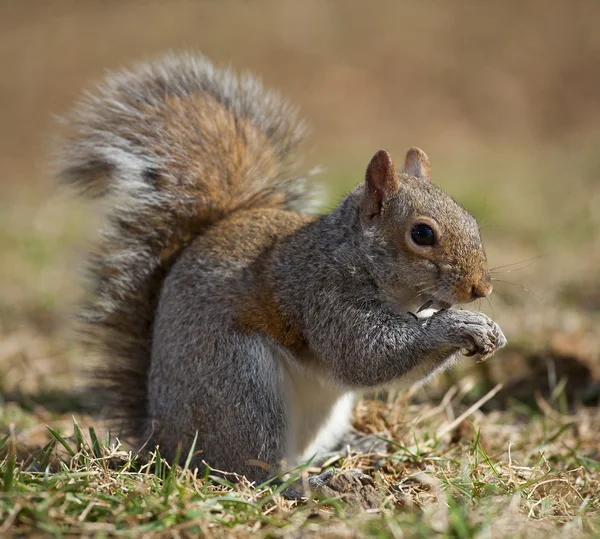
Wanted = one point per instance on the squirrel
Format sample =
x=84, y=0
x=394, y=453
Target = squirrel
x=229, y=317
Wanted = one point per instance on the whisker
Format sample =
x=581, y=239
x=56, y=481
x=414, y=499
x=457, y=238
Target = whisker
x=501, y=297
x=431, y=290
x=412, y=298
x=515, y=263
x=513, y=270
x=441, y=289
x=519, y=285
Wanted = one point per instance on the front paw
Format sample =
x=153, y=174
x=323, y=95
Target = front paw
x=475, y=332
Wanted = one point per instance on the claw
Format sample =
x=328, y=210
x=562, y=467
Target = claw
x=317, y=481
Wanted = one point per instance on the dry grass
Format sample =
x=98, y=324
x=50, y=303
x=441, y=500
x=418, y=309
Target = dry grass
x=505, y=100
x=500, y=474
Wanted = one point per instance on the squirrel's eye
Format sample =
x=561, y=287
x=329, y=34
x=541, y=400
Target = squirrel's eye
x=422, y=235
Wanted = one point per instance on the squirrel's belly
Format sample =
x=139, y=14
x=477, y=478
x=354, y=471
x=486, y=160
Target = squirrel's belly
x=334, y=429
x=318, y=412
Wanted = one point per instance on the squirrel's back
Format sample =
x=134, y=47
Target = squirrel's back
x=174, y=146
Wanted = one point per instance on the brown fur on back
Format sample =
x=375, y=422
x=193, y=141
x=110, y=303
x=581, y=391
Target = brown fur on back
x=258, y=309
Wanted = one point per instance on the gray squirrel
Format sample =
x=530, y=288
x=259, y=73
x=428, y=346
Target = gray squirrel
x=221, y=307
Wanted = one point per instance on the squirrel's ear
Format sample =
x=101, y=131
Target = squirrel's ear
x=417, y=163
x=381, y=181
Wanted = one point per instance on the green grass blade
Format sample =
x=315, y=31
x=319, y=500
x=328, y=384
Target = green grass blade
x=96, y=445
x=80, y=442
x=61, y=441
x=9, y=473
x=190, y=455
x=42, y=459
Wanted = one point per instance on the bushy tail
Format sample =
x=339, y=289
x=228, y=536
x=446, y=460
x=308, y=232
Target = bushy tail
x=174, y=146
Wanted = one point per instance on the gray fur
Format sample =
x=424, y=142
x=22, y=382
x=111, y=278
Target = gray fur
x=180, y=361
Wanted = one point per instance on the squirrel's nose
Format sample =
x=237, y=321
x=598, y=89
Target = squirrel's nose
x=482, y=289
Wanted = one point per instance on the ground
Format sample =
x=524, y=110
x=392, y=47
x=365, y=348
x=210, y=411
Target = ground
x=505, y=102
x=504, y=448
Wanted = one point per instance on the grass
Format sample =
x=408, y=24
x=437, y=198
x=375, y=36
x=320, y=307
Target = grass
x=506, y=474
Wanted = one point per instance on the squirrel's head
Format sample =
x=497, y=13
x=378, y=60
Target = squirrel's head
x=426, y=240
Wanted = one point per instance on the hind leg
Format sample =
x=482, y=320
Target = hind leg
x=233, y=398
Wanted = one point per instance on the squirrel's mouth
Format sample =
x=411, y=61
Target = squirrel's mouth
x=435, y=304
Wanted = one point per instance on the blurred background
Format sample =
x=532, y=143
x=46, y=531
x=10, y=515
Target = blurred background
x=504, y=97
